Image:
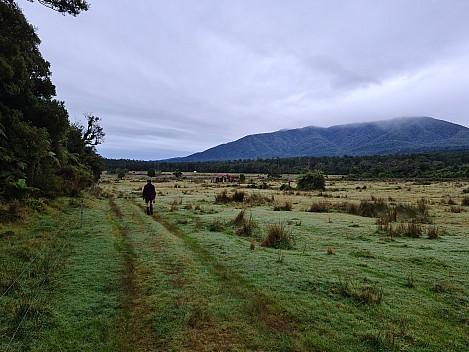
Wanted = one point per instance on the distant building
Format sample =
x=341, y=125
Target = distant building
x=224, y=178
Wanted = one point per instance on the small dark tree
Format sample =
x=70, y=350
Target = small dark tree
x=93, y=134
x=311, y=180
x=242, y=178
x=151, y=173
x=177, y=173
x=274, y=172
x=121, y=174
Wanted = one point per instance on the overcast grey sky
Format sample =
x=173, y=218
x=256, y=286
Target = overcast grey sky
x=171, y=78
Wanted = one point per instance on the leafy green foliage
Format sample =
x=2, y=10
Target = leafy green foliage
x=40, y=152
x=311, y=180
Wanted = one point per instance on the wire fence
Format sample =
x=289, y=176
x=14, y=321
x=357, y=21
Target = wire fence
x=36, y=292
x=54, y=253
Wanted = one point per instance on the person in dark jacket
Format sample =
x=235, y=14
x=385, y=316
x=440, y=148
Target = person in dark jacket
x=149, y=195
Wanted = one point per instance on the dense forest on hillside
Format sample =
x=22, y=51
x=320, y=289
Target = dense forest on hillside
x=41, y=152
x=435, y=165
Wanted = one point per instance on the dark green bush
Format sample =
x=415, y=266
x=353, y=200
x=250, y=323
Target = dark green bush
x=311, y=180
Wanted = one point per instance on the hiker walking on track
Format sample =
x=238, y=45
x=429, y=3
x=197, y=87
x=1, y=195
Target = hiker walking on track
x=149, y=195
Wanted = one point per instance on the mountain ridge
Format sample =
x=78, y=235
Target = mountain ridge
x=396, y=136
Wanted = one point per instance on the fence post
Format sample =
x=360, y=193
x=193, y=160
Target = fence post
x=81, y=214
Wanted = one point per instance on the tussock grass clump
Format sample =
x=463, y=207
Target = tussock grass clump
x=175, y=204
x=278, y=237
x=410, y=280
x=364, y=253
x=287, y=206
x=450, y=201
x=286, y=187
x=238, y=196
x=320, y=207
x=362, y=293
x=411, y=229
x=455, y=209
x=330, y=250
x=418, y=213
x=382, y=341
x=12, y=211
x=217, y=225
x=434, y=232
x=248, y=227
x=239, y=219
x=411, y=216
x=258, y=198
x=465, y=202
x=442, y=287
x=223, y=197
x=372, y=208
x=198, y=225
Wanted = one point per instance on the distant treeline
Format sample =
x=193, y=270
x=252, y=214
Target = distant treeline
x=435, y=165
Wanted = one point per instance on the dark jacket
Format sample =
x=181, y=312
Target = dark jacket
x=149, y=192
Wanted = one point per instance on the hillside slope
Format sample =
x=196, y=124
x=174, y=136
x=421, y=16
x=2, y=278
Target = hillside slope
x=397, y=136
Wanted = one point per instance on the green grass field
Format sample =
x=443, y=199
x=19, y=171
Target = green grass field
x=196, y=277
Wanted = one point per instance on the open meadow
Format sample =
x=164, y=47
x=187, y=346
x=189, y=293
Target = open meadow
x=257, y=266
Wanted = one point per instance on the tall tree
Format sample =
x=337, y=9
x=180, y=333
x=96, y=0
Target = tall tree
x=36, y=154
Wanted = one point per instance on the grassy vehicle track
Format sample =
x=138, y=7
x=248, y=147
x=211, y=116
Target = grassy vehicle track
x=182, y=280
